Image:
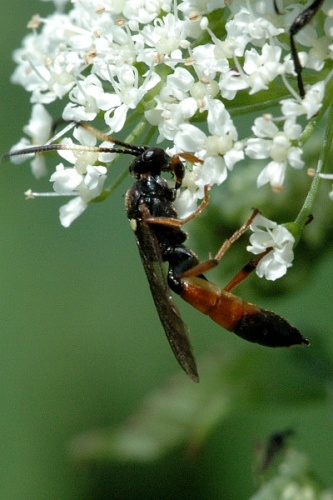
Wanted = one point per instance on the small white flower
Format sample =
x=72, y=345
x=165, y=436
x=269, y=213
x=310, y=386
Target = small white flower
x=84, y=180
x=65, y=180
x=144, y=11
x=84, y=100
x=276, y=144
x=262, y=68
x=45, y=68
x=208, y=61
x=308, y=106
x=39, y=126
x=84, y=188
x=71, y=211
x=172, y=64
x=268, y=234
x=219, y=150
x=39, y=130
x=174, y=105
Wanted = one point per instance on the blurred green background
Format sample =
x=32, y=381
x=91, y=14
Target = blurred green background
x=82, y=346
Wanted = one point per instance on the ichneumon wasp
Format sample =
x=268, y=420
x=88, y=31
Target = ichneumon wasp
x=302, y=20
x=160, y=238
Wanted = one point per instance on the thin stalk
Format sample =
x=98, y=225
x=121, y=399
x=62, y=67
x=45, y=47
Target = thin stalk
x=307, y=207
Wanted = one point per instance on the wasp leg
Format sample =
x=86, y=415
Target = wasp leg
x=170, y=221
x=202, y=267
x=245, y=271
x=303, y=19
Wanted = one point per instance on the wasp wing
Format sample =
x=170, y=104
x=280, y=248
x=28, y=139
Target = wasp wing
x=175, y=329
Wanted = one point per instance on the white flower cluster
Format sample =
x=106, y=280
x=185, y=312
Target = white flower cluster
x=178, y=64
x=268, y=234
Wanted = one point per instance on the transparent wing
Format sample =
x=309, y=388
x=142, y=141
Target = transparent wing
x=175, y=329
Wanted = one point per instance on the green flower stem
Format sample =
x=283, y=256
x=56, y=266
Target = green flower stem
x=307, y=207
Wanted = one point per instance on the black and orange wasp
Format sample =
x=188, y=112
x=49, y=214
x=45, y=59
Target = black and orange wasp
x=160, y=238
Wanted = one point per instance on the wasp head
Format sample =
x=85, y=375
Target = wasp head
x=152, y=162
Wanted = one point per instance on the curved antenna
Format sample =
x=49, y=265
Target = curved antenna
x=124, y=148
x=72, y=147
x=137, y=150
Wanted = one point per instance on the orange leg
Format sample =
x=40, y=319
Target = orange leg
x=169, y=221
x=213, y=262
x=205, y=266
x=245, y=271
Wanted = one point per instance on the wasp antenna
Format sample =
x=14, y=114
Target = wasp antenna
x=66, y=147
x=131, y=148
x=34, y=150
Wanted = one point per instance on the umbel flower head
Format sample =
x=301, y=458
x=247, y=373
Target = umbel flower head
x=188, y=70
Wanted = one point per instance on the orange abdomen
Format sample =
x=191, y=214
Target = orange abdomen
x=243, y=318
